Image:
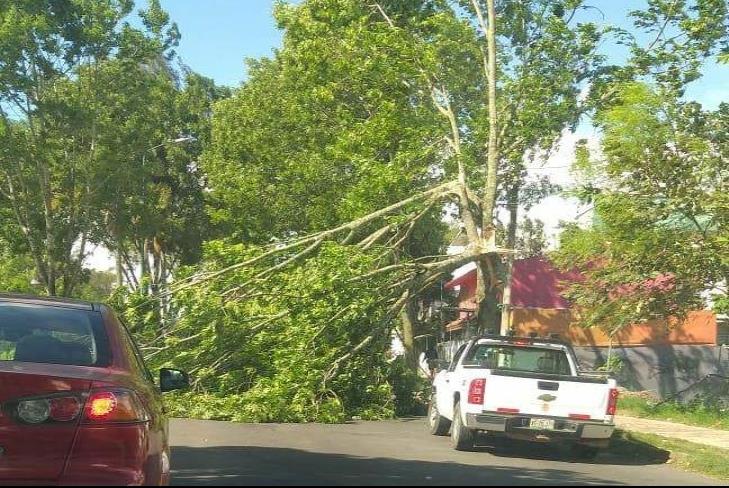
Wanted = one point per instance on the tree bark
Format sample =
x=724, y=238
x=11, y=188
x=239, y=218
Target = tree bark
x=24, y=224
x=488, y=231
x=408, y=321
x=50, y=238
x=119, y=269
x=489, y=201
x=510, y=244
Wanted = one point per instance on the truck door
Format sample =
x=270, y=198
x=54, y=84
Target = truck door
x=447, y=386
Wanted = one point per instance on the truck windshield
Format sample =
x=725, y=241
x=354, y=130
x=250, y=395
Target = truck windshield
x=518, y=358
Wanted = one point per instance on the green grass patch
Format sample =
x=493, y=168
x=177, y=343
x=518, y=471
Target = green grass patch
x=7, y=351
x=698, y=415
x=635, y=448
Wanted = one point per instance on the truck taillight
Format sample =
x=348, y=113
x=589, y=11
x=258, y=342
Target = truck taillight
x=477, y=392
x=114, y=406
x=579, y=416
x=613, y=402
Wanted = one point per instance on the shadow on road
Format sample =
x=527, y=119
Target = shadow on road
x=213, y=466
x=624, y=450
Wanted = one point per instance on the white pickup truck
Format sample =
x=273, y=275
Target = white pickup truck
x=522, y=388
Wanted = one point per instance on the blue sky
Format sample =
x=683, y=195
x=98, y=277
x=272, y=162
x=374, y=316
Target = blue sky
x=218, y=35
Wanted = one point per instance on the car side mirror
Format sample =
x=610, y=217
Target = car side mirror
x=173, y=380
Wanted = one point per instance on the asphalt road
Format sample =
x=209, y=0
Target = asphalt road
x=387, y=453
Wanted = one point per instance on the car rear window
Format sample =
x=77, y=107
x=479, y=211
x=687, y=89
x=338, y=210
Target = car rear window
x=518, y=358
x=52, y=335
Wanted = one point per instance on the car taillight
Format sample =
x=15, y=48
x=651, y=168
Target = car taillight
x=114, y=406
x=477, y=392
x=613, y=402
x=51, y=409
x=65, y=409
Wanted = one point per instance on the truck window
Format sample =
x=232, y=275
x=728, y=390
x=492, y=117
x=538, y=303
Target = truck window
x=518, y=358
x=457, y=357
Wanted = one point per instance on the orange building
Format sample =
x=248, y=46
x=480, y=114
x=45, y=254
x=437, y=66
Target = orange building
x=537, y=306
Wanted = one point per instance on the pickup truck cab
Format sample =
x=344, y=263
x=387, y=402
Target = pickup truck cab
x=522, y=388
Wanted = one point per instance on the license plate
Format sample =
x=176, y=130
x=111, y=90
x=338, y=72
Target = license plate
x=541, y=424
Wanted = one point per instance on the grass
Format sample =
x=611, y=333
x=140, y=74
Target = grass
x=635, y=448
x=699, y=416
x=7, y=351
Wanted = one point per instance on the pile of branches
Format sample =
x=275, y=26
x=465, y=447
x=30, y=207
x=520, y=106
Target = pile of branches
x=301, y=330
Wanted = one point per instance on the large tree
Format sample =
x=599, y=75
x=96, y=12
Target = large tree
x=348, y=144
x=333, y=127
x=101, y=133
x=367, y=104
x=153, y=212
x=658, y=186
x=56, y=63
x=371, y=118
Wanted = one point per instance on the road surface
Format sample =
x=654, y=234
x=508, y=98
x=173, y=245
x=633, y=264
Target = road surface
x=387, y=453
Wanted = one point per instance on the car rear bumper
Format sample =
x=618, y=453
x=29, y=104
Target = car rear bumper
x=102, y=479
x=517, y=426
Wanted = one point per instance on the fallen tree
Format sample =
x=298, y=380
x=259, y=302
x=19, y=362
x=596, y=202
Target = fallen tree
x=300, y=330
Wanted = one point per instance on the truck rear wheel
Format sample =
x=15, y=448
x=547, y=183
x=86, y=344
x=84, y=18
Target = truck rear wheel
x=439, y=425
x=462, y=438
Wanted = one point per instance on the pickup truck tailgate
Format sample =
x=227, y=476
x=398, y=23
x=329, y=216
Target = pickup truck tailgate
x=547, y=395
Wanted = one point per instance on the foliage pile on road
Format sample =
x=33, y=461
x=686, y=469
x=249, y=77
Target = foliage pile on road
x=283, y=352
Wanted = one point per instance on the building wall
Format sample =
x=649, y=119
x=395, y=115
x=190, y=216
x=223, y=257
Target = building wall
x=699, y=328
x=662, y=369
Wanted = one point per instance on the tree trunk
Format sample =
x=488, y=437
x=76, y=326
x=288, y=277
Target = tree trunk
x=36, y=252
x=157, y=281
x=408, y=321
x=510, y=244
x=73, y=270
x=488, y=231
x=50, y=238
x=489, y=201
x=144, y=265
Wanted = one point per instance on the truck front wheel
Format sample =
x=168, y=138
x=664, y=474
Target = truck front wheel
x=439, y=425
x=462, y=438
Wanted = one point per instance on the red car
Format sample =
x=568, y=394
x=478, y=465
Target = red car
x=77, y=404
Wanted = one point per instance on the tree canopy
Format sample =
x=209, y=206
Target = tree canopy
x=89, y=106
x=273, y=238
x=660, y=235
